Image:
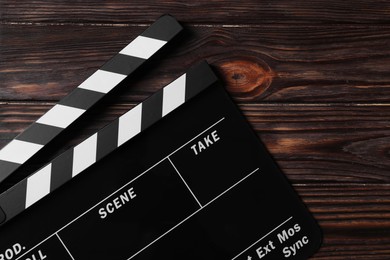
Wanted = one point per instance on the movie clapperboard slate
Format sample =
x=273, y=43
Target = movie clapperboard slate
x=179, y=176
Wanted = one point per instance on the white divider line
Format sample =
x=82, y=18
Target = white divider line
x=62, y=242
x=220, y=120
x=97, y=204
x=188, y=187
x=40, y=243
x=284, y=222
x=174, y=227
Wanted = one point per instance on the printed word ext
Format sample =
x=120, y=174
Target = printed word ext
x=286, y=236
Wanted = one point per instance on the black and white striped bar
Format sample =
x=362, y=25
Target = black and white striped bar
x=74, y=161
x=88, y=93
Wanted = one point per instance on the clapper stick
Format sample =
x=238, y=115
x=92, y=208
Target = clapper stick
x=88, y=93
x=77, y=159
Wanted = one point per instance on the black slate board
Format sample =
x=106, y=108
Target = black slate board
x=230, y=201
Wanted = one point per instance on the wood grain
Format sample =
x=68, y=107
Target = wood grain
x=354, y=219
x=348, y=207
x=201, y=11
x=312, y=77
x=322, y=144
x=279, y=64
x=358, y=245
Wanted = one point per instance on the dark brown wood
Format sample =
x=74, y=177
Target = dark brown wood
x=322, y=144
x=348, y=208
x=201, y=11
x=273, y=64
x=312, y=77
x=354, y=218
x=358, y=245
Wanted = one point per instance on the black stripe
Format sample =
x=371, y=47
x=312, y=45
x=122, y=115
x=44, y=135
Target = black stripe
x=122, y=64
x=61, y=169
x=2, y=215
x=199, y=78
x=13, y=201
x=81, y=98
x=39, y=134
x=165, y=28
x=7, y=167
x=107, y=139
x=151, y=110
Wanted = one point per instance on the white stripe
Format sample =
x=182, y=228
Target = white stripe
x=174, y=95
x=102, y=81
x=38, y=185
x=19, y=151
x=143, y=47
x=129, y=124
x=84, y=155
x=61, y=116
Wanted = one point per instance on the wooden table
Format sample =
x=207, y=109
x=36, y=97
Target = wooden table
x=312, y=77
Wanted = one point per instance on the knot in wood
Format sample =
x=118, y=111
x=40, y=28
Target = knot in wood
x=246, y=78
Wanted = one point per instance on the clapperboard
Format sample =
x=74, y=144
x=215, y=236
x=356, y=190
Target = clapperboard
x=179, y=176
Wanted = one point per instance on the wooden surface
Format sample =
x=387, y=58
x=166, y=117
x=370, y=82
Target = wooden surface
x=312, y=77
